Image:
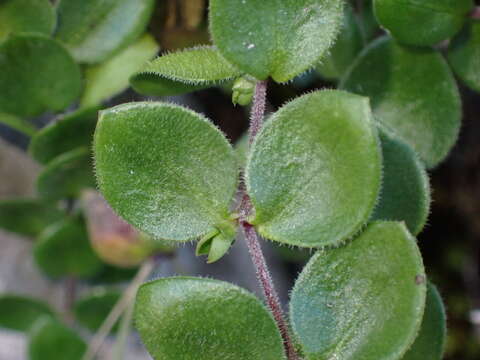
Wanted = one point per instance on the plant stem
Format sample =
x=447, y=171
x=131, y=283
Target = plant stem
x=70, y=296
x=253, y=244
x=118, y=351
x=119, y=308
x=475, y=14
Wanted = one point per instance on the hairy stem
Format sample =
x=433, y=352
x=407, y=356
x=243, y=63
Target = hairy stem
x=119, y=308
x=475, y=14
x=253, y=244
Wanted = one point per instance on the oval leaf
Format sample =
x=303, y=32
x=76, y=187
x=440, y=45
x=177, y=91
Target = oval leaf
x=422, y=22
x=464, y=55
x=63, y=249
x=27, y=217
x=18, y=124
x=314, y=170
x=94, y=30
x=203, y=319
x=20, y=312
x=92, y=310
x=51, y=340
x=65, y=134
x=66, y=175
x=34, y=16
x=166, y=170
x=405, y=194
x=430, y=342
x=361, y=301
x=183, y=71
x=110, y=78
x=38, y=74
x=280, y=39
x=413, y=93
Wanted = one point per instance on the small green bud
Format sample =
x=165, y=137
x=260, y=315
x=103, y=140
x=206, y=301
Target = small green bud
x=243, y=89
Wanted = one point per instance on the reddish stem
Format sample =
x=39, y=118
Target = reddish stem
x=258, y=110
x=70, y=296
x=475, y=14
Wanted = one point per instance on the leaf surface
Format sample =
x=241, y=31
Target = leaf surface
x=18, y=124
x=92, y=309
x=19, y=312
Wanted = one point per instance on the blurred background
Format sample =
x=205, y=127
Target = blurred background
x=450, y=243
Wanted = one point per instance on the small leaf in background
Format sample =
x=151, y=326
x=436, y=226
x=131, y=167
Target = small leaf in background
x=430, y=341
x=314, y=171
x=27, y=217
x=38, y=74
x=51, y=340
x=19, y=312
x=63, y=249
x=115, y=241
x=111, y=275
x=368, y=21
x=347, y=46
x=464, y=55
x=364, y=300
x=405, y=194
x=18, y=124
x=92, y=309
x=67, y=133
x=111, y=77
x=33, y=16
x=166, y=170
x=280, y=39
x=95, y=30
x=412, y=92
x=203, y=319
x=183, y=71
x=243, y=90
x=425, y=22
x=66, y=175
x=215, y=245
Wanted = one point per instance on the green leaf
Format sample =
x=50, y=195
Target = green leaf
x=422, y=22
x=405, y=194
x=215, y=245
x=66, y=175
x=413, y=93
x=280, y=39
x=33, y=16
x=20, y=312
x=51, y=340
x=430, y=342
x=92, y=310
x=110, y=78
x=27, y=217
x=368, y=21
x=95, y=30
x=203, y=319
x=67, y=133
x=183, y=71
x=38, y=74
x=64, y=249
x=346, y=47
x=243, y=90
x=314, y=171
x=464, y=55
x=166, y=170
x=361, y=301
x=18, y=124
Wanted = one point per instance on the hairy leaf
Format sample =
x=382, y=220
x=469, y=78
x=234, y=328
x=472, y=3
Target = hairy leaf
x=422, y=22
x=430, y=342
x=63, y=249
x=38, y=74
x=110, y=78
x=314, y=170
x=413, y=93
x=34, y=16
x=464, y=55
x=361, y=301
x=66, y=175
x=183, y=71
x=166, y=170
x=67, y=133
x=347, y=46
x=203, y=319
x=94, y=30
x=275, y=38
x=92, y=309
x=27, y=217
x=405, y=194
x=18, y=124
x=51, y=340
x=20, y=312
